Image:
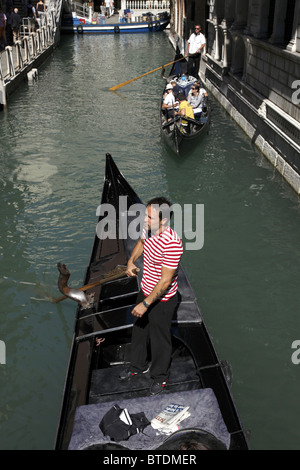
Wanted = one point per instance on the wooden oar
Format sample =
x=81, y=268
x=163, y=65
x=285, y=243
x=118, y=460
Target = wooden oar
x=109, y=277
x=116, y=87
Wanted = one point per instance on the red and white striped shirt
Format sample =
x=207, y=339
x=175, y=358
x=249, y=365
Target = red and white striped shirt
x=160, y=250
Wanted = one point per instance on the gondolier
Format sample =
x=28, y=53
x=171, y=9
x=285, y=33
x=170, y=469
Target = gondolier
x=102, y=340
x=195, y=46
x=158, y=297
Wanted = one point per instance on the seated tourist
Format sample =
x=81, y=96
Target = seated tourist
x=169, y=102
x=185, y=109
x=196, y=98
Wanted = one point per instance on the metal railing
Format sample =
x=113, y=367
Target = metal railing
x=55, y=6
x=81, y=10
x=145, y=4
x=26, y=49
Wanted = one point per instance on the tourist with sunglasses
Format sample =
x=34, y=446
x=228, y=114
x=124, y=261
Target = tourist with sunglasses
x=196, y=98
x=195, y=46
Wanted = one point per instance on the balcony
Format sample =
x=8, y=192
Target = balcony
x=139, y=6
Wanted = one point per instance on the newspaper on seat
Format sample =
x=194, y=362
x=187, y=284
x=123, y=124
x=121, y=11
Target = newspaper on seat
x=167, y=421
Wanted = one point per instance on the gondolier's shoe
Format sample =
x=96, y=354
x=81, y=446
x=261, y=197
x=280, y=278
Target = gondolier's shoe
x=128, y=374
x=157, y=387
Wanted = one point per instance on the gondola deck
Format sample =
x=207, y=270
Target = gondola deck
x=92, y=383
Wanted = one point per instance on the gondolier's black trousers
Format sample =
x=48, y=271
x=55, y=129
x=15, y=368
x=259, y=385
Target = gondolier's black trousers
x=153, y=329
x=193, y=64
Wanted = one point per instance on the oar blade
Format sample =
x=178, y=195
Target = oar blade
x=116, y=273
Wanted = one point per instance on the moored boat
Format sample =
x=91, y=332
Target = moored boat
x=179, y=137
x=101, y=345
x=80, y=25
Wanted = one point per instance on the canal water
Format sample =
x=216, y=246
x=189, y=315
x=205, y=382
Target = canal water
x=54, y=137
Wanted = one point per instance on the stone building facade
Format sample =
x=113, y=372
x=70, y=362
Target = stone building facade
x=252, y=66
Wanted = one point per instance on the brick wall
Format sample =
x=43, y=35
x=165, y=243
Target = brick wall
x=272, y=71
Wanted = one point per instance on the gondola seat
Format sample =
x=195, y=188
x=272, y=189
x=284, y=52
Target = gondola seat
x=205, y=418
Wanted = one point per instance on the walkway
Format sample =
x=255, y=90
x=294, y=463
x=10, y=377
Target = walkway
x=17, y=62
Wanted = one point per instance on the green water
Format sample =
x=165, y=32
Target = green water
x=53, y=138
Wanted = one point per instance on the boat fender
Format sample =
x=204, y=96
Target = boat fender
x=79, y=29
x=116, y=29
x=150, y=25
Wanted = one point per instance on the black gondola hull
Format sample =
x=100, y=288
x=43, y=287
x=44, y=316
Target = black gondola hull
x=92, y=376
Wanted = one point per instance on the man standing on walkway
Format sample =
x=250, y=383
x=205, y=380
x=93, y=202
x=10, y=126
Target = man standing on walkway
x=158, y=298
x=15, y=24
x=31, y=13
x=196, y=44
x=107, y=5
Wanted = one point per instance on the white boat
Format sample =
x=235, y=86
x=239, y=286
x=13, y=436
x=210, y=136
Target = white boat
x=74, y=23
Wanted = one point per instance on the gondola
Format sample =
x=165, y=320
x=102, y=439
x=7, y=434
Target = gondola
x=178, y=137
x=101, y=345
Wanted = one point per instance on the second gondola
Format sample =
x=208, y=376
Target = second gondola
x=181, y=133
